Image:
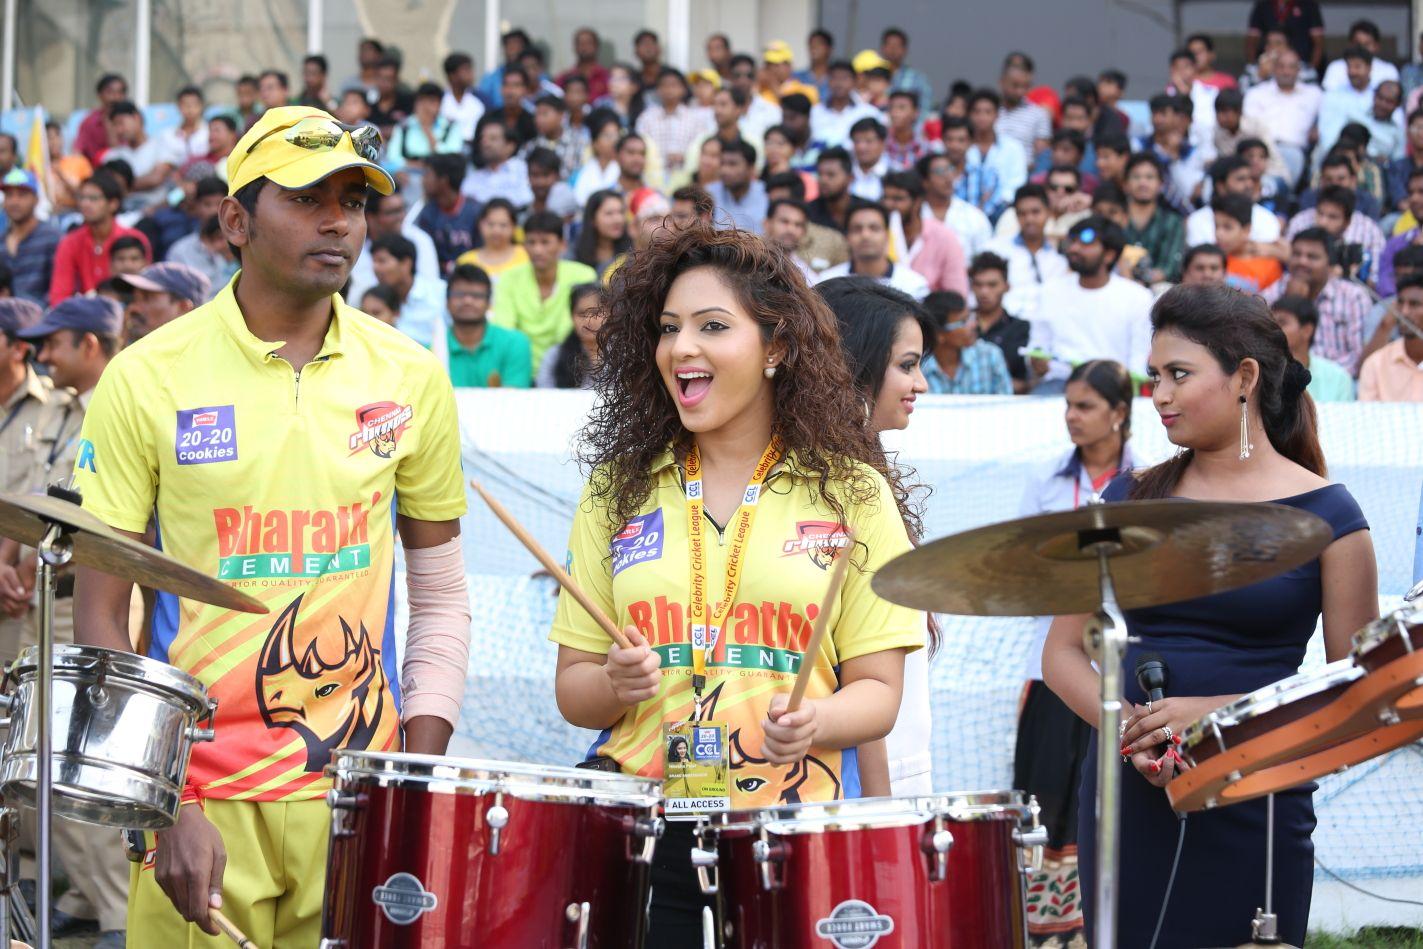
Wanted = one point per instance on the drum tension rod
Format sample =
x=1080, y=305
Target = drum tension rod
x=936, y=846
x=497, y=817
x=704, y=860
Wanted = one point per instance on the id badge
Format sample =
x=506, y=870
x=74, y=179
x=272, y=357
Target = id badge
x=696, y=769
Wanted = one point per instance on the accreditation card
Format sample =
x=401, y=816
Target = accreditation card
x=696, y=770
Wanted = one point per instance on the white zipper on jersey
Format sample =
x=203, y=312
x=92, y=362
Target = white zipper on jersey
x=296, y=373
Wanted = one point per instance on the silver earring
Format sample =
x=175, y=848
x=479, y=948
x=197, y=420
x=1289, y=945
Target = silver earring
x=770, y=372
x=1245, y=446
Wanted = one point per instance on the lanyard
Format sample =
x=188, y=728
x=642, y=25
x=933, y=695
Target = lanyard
x=13, y=413
x=706, y=631
x=1096, y=491
x=58, y=447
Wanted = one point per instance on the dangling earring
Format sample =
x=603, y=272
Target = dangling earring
x=770, y=372
x=1245, y=446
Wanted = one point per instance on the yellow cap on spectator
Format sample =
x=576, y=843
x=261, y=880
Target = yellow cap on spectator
x=705, y=75
x=867, y=59
x=297, y=146
x=777, y=52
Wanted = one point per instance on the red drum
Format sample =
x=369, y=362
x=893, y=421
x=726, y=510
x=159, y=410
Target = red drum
x=445, y=852
x=942, y=872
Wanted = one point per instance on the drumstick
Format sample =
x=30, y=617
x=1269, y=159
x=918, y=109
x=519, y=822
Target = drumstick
x=231, y=931
x=817, y=626
x=549, y=564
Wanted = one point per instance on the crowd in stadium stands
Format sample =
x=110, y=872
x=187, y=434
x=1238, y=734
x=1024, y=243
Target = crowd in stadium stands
x=1035, y=220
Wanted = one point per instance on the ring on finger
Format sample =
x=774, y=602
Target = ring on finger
x=1148, y=706
x=1166, y=730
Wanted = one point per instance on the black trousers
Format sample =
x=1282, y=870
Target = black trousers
x=675, y=920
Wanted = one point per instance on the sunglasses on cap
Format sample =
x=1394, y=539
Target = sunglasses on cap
x=322, y=135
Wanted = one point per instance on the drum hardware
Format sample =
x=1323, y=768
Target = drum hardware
x=708, y=928
x=704, y=859
x=937, y=844
x=16, y=920
x=341, y=807
x=1099, y=560
x=497, y=817
x=1265, y=927
x=767, y=853
x=1035, y=840
x=577, y=914
x=649, y=831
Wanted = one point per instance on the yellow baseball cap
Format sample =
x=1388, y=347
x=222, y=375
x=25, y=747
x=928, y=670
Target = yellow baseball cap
x=777, y=52
x=705, y=75
x=303, y=157
x=867, y=59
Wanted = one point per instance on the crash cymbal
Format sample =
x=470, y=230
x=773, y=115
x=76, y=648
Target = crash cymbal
x=26, y=517
x=1160, y=552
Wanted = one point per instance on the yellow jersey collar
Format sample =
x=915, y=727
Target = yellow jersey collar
x=788, y=463
x=229, y=315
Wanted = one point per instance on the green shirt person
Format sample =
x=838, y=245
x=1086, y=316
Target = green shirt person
x=482, y=355
x=534, y=297
x=1299, y=318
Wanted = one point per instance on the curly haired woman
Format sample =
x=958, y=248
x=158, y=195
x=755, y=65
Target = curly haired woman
x=726, y=402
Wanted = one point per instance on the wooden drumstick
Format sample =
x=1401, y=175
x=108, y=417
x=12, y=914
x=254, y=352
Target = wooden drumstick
x=549, y=564
x=817, y=626
x=231, y=931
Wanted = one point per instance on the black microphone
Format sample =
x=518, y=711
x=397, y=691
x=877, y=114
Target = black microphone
x=1151, y=676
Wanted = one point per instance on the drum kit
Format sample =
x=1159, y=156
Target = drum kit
x=430, y=851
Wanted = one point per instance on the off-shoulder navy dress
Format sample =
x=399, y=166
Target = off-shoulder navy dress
x=1225, y=644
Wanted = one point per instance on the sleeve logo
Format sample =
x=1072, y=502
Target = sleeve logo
x=205, y=436
x=379, y=426
x=639, y=541
x=85, y=461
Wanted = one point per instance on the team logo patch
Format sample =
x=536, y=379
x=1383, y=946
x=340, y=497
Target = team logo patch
x=638, y=542
x=205, y=436
x=403, y=898
x=822, y=541
x=379, y=427
x=85, y=461
x=854, y=924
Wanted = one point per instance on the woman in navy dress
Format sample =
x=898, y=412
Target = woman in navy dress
x=1217, y=357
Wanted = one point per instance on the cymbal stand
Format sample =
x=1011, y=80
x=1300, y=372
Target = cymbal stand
x=16, y=922
x=1105, y=638
x=1265, y=927
x=55, y=551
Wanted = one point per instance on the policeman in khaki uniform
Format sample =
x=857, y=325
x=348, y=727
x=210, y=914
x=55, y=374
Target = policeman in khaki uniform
x=75, y=341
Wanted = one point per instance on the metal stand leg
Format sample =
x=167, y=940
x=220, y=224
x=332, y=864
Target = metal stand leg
x=1265, y=928
x=54, y=552
x=1106, y=641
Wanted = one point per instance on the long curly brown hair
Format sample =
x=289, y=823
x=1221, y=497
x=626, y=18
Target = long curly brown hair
x=817, y=411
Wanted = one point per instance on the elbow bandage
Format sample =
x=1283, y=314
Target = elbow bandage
x=432, y=677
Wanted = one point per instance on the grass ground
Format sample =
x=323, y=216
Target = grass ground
x=1370, y=937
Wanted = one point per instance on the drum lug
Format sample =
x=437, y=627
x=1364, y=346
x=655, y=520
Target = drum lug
x=577, y=914
x=766, y=854
x=195, y=733
x=340, y=804
x=1033, y=839
x=497, y=817
x=705, y=861
x=936, y=845
x=649, y=830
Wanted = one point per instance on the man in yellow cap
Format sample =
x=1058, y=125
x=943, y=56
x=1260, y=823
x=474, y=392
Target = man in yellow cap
x=276, y=437
x=777, y=77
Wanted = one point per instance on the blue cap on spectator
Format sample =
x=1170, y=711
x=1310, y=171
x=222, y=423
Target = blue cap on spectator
x=86, y=314
x=16, y=313
x=178, y=279
x=20, y=178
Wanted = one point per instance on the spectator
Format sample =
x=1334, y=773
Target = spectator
x=382, y=303
x=601, y=170
x=29, y=246
x=1413, y=203
x=315, y=94
x=1112, y=154
x=1150, y=224
x=795, y=123
x=459, y=104
x=161, y=293
x=821, y=46
x=761, y=114
x=1233, y=175
x=422, y=300
x=535, y=69
x=777, y=75
x=868, y=236
x=1288, y=109
x=622, y=99
x=923, y=244
x=534, y=298
x=1359, y=229
x=1384, y=122
x=586, y=66
x=1338, y=169
x=1020, y=120
x=248, y=111
x=354, y=108
x=780, y=153
x=498, y=251
x=1204, y=265
x=903, y=143
x=1300, y=23
x=1233, y=126
x=1004, y=156
x=273, y=89
x=1068, y=150
x=960, y=363
x=171, y=222
x=392, y=102
x=1361, y=240
x=1350, y=101
x=1271, y=193
x=500, y=174
x=1183, y=83
x=517, y=112
x=448, y=216
x=740, y=197
x=1111, y=86
x=1411, y=75
x=1328, y=382
x=1363, y=35
x=719, y=54
x=220, y=137
x=977, y=185
x=145, y=156
x=81, y=259
x=552, y=133
x=550, y=193
x=1032, y=261
x=785, y=227
x=968, y=222
x=491, y=85
x=647, y=47
x=1092, y=314
x=868, y=141
x=821, y=246
x=1246, y=270
x=1400, y=170
x=691, y=205
x=604, y=237
x=423, y=133
x=1202, y=49
x=479, y=353
x=1067, y=204
x=573, y=363
x=832, y=118
x=988, y=277
x=1170, y=142
x=95, y=134
x=385, y=214
x=1392, y=374
x=894, y=47
x=632, y=164
x=1343, y=306
x=207, y=252
x=670, y=123
x=188, y=141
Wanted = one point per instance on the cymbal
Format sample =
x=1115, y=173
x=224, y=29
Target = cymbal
x=1159, y=552
x=26, y=518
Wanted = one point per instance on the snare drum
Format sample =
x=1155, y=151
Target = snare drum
x=918, y=873
x=122, y=730
x=1390, y=651
x=448, y=852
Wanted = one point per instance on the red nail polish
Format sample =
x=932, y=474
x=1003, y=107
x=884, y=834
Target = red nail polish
x=1156, y=767
x=1176, y=739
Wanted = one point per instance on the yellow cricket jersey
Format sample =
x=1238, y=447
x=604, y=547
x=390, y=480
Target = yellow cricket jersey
x=285, y=486
x=639, y=573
